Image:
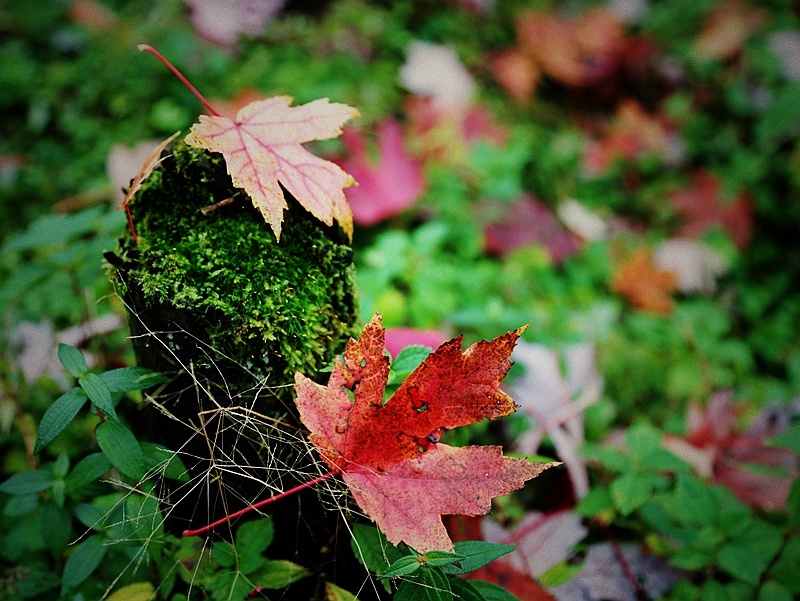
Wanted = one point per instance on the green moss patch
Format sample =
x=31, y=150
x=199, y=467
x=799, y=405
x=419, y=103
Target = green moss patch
x=221, y=281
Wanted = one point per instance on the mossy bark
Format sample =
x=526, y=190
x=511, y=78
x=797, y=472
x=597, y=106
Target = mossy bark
x=230, y=313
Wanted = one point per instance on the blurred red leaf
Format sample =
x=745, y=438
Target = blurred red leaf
x=701, y=207
x=632, y=133
x=577, y=51
x=387, y=187
x=524, y=222
x=716, y=449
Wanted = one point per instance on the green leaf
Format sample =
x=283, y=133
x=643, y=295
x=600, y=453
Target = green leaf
x=253, y=538
x=747, y=555
x=86, y=471
x=630, y=491
x=164, y=461
x=61, y=465
x=28, y=483
x=72, y=360
x=793, y=504
x=35, y=580
x=772, y=591
x=138, y=591
x=82, y=562
x=476, y=554
x=278, y=573
x=90, y=516
x=409, y=359
x=56, y=528
x=402, y=567
x=438, y=559
x=465, y=591
x=20, y=505
x=492, y=591
x=224, y=554
x=559, y=574
x=58, y=416
x=790, y=439
x=427, y=584
x=597, y=501
x=335, y=593
x=372, y=549
x=127, y=379
x=98, y=393
x=121, y=448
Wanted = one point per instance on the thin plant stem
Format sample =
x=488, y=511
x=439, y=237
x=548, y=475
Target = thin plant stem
x=241, y=512
x=179, y=75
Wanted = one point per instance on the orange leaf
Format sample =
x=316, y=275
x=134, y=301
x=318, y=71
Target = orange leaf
x=643, y=284
x=262, y=148
x=726, y=28
x=389, y=455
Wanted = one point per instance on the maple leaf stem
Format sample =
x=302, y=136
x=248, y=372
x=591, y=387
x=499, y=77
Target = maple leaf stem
x=179, y=75
x=258, y=505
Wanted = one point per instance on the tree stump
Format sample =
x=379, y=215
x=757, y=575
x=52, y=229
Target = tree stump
x=229, y=313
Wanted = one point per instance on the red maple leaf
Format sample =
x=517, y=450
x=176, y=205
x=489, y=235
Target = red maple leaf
x=388, y=453
x=387, y=188
x=702, y=207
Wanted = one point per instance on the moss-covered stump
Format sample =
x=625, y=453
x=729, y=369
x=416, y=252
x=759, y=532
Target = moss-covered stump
x=216, y=302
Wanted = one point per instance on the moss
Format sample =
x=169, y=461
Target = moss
x=224, y=279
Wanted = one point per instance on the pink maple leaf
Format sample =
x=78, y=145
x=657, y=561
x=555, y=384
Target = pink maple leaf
x=387, y=187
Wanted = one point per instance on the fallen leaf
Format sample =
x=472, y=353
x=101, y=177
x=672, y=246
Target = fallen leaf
x=124, y=163
x=388, y=187
x=695, y=264
x=643, y=284
x=604, y=577
x=527, y=221
x=579, y=51
x=389, y=455
x=785, y=45
x=718, y=450
x=581, y=221
x=515, y=581
x=434, y=71
x=541, y=540
x=262, y=149
x=630, y=135
x=702, y=207
x=223, y=21
x=726, y=28
x=555, y=402
x=151, y=162
x=446, y=135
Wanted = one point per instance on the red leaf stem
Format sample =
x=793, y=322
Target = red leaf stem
x=179, y=75
x=258, y=505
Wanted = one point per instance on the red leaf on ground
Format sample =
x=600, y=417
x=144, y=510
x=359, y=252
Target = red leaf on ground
x=576, y=51
x=527, y=221
x=631, y=134
x=262, y=148
x=716, y=449
x=384, y=189
x=389, y=455
x=702, y=207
